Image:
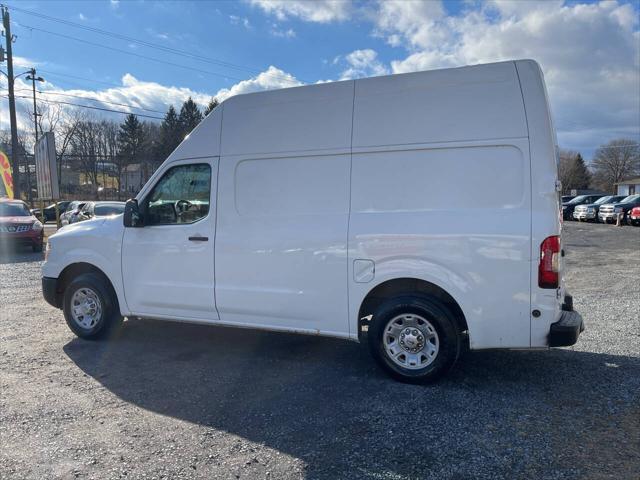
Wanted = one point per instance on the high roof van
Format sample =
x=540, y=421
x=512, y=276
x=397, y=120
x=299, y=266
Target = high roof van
x=418, y=213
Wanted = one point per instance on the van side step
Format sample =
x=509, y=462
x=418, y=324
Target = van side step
x=565, y=331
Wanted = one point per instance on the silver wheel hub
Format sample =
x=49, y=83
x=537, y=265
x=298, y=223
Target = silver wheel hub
x=411, y=341
x=86, y=308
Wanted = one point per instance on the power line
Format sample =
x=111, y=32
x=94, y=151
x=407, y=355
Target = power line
x=133, y=54
x=57, y=74
x=175, y=51
x=91, y=107
x=45, y=92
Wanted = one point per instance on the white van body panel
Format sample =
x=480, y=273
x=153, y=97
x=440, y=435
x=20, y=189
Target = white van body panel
x=320, y=193
x=97, y=242
x=283, y=206
x=545, y=194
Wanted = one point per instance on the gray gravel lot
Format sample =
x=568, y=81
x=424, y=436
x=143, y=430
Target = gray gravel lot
x=166, y=400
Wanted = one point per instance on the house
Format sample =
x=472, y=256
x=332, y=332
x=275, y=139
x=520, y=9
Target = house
x=132, y=178
x=628, y=187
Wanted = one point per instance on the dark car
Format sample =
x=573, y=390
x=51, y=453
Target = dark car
x=610, y=211
x=50, y=211
x=98, y=209
x=18, y=226
x=568, y=207
x=589, y=211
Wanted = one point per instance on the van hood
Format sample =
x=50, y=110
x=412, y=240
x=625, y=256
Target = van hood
x=105, y=226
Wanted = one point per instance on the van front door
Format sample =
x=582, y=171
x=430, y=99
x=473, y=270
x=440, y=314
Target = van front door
x=168, y=264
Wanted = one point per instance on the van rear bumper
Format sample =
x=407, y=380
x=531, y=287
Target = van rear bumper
x=565, y=331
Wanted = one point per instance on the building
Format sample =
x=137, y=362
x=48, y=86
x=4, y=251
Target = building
x=628, y=187
x=132, y=178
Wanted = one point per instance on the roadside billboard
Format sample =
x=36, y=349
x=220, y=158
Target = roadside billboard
x=46, y=171
x=6, y=184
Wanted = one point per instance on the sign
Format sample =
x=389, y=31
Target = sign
x=46, y=171
x=6, y=185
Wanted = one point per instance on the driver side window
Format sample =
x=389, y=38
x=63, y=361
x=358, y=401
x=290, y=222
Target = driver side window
x=182, y=195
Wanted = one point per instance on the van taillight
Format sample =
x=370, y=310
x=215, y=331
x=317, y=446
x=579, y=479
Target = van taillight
x=548, y=276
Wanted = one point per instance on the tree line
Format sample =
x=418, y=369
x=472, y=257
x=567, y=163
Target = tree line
x=97, y=148
x=612, y=162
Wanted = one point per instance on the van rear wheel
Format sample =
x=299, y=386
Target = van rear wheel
x=90, y=307
x=414, y=338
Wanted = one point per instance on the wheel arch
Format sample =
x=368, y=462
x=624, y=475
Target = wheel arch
x=406, y=286
x=73, y=270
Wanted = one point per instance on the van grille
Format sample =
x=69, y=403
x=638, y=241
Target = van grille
x=606, y=209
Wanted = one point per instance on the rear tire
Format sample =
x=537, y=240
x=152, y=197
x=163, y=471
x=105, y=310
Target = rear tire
x=415, y=339
x=90, y=307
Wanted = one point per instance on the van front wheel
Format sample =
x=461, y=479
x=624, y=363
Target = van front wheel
x=414, y=338
x=90, y=307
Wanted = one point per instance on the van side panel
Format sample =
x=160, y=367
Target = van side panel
x=283, y=206
x=545, y=213
x=448, y=199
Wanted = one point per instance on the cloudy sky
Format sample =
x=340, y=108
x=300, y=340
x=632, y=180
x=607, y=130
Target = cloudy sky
x=124, y=54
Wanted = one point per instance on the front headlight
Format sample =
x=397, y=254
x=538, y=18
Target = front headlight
x=37, y=225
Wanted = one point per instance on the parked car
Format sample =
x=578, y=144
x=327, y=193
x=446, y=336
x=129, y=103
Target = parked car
x=70, y=214
x=634, y=217
x=567, y=208
x=590, y=211
x=50, y=211
x=334, y=217
x=609, y=212
x=18, y=226
x=566, y=198
x=99, y=210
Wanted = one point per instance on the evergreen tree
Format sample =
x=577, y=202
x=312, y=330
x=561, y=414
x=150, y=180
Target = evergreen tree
x=170, y=134
x=213, y=103
x=581, y=173
x=190, y=117
x=132, y=143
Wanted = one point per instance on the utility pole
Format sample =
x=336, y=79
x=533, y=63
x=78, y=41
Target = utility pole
x=32, y=76
x=15, y=165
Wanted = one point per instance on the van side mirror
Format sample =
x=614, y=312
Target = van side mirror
x=132, y=217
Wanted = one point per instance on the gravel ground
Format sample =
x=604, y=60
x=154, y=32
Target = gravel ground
x=166, y=400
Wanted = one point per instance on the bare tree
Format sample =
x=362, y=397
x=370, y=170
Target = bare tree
x=614, y=162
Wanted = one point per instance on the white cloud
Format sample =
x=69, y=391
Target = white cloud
x=276, y=31
x=319, y=11
x=137, y=93
x=410, y=22
x=82, y=17
x=236, y=20
x=590, y=54
x=361, y=63
x=270, y=79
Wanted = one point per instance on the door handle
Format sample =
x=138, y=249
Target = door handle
x=198, y=239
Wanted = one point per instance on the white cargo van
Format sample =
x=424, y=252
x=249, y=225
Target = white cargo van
x=419, y=212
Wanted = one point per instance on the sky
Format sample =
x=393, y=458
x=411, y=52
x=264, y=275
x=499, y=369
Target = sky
x=123, y=54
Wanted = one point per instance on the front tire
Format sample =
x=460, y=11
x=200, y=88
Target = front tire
x=90, y=307
x=415, y=339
